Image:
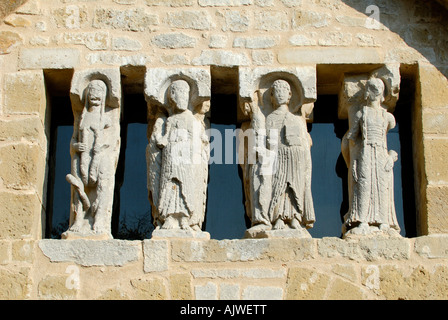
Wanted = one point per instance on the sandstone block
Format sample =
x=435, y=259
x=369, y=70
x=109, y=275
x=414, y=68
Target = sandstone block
x=5, y=252
x=433, y=86
x=435, y=121
x=15, y=284
x=19, y=213
x=437, y=204
x=9, y=41
x=22, y=166
x=180, y=286
x=18, y=128
x=17, y=21
x=436, y=151
x=344, y=290
x=24, y=93
x=54, y=287
x=303, y=283
x=49, y=58
x=149, y=289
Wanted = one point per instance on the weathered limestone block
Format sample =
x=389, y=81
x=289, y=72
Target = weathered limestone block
x=368, y=100
x=178, y=150
x=278, y=144
x=126, y=20
x=262, y=293
x=295, y=249
x=174, y=41
x=70, y=17
x=330, y=55
x=221, y=58
x=171, y=3
x=434, y=246
x=196, y=20
x=272, y=21
x=49, y=58
x=91, y=252
x=156, y=255
x=235, y=21
x=304, y=19
x=370, y=249
x=94, y=149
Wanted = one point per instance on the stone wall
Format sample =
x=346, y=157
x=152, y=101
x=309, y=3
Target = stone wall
x=42, y=41
x=251, y=269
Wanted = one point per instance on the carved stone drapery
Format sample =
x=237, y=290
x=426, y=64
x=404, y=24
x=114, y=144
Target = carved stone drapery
x=368, y=101
x=178, y=150
x=277, y=166
x=95, y=145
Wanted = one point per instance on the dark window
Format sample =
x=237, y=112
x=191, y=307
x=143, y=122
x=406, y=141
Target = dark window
x=225, y=214
x=131, y=218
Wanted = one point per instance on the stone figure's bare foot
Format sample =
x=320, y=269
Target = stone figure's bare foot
x=185, y=224
x=279, y=225
x=77, y=226
x=170, y=223
x=295, y=224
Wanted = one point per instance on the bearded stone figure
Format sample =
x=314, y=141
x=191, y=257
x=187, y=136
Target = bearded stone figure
x=372, y=207
x=178, y=162
x=284, y=205
x=94, y=149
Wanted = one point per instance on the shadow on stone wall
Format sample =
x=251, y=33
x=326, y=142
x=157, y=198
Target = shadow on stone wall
x=9, y=6
x=420, y=24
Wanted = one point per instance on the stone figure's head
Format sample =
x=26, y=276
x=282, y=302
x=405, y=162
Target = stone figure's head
x=374, y=90
x=280, y=93
x=96, y=93
x=179, y=94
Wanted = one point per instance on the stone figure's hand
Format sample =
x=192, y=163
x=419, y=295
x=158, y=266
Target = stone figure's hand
x=80, y=147
x=389, y=164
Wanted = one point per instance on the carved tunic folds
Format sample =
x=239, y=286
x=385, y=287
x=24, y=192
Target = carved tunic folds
x=291, y=187
x=372, y=170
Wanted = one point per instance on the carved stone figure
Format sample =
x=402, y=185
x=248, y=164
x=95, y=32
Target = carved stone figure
x=278, y=182
x=370, y=163
x=177, y=156
x=94, y=149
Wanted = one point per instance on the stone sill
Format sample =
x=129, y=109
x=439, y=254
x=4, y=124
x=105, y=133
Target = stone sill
x=158, y=254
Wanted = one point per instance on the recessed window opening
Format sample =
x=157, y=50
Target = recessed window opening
x=225, y=212
x=329, y=171
x=131, y=217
